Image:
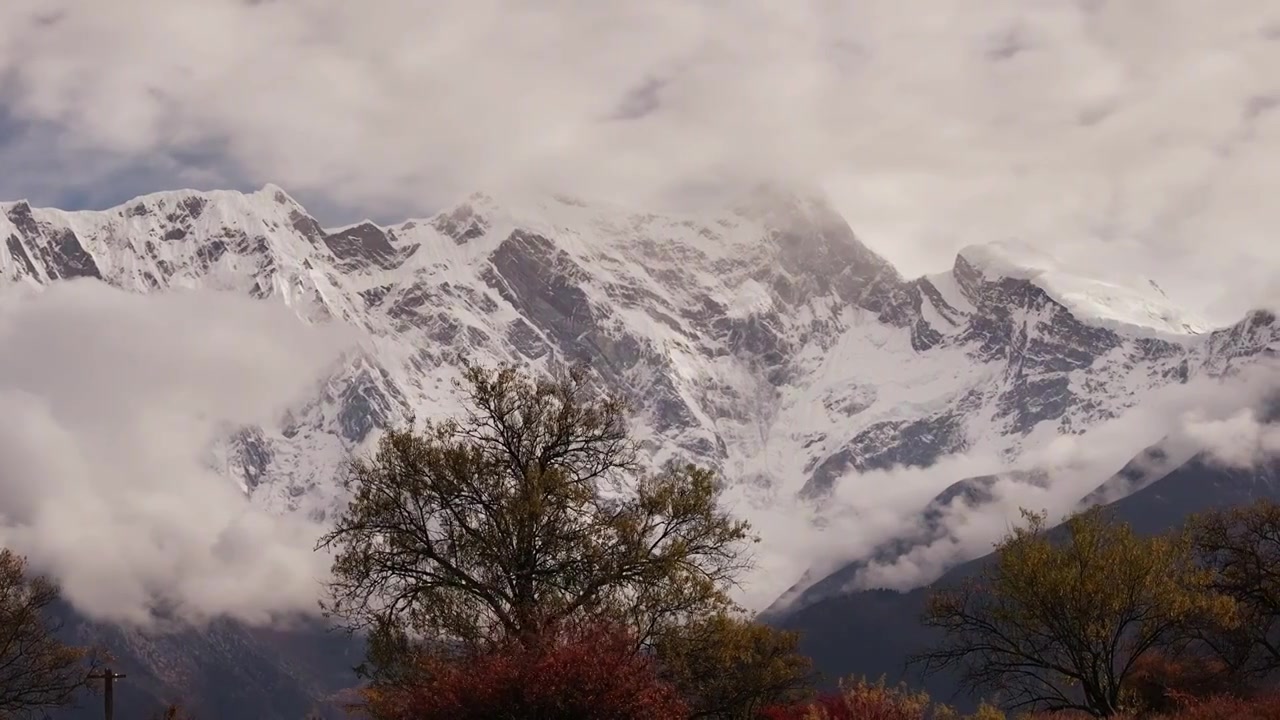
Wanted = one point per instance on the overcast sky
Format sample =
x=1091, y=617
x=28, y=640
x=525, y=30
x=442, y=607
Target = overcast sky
x=1125, y=136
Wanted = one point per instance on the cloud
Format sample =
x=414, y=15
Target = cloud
x=113, y=402
x=1131, y=136
x=801, y=544
x=1239, y=441
x=870, y=511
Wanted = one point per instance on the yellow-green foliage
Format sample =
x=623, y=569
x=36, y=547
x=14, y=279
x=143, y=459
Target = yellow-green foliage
x=501, y=524
x=729, y=668
x=1059, y=624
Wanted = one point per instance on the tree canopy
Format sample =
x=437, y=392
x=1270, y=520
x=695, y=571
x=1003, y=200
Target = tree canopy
x=1061, y=625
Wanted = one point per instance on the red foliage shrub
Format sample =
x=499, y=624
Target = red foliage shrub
x=1229, y=708
x=1160, y=683
x=584, y=675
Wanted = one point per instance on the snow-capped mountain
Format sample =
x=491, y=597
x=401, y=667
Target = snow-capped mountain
x=766, y=340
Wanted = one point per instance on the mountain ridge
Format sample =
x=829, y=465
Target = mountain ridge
x=701, y=312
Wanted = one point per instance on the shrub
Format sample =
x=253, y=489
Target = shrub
x=862, y=700
x=591, y=674
x=1218, y=707
x=1159, y=683
x=1229, y=708
x=728, y=667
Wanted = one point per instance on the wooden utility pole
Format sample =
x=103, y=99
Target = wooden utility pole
x=108, y=693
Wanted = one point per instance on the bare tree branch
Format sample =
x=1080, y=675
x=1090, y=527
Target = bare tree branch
x=37, y=671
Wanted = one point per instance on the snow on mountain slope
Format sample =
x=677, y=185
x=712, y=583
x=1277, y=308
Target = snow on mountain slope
x=765, y=340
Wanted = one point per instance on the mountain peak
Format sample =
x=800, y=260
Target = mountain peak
x=811, y=239
x=274, y=191
x=1136, y=305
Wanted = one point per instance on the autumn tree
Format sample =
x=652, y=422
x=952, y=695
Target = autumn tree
x=529, y=511
x=1061, y=625
x=729, y=668
x=37, y=671
x=1241, y=548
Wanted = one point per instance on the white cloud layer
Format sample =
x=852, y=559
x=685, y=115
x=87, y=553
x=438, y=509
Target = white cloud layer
x=1137, y=136
x=1240, y=440
x=111, y=404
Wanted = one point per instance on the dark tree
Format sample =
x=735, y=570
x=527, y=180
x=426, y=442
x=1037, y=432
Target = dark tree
x=529, y=511
x=1241, y=547
x=37, y=671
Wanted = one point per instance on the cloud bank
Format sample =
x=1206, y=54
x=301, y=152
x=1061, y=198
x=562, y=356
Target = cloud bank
x=112, y=403
x=1241, y=440
x=1127, y=135
x=1224, y=420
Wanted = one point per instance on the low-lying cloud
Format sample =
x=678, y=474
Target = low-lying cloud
x=112, y=402
x=1241, y=440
